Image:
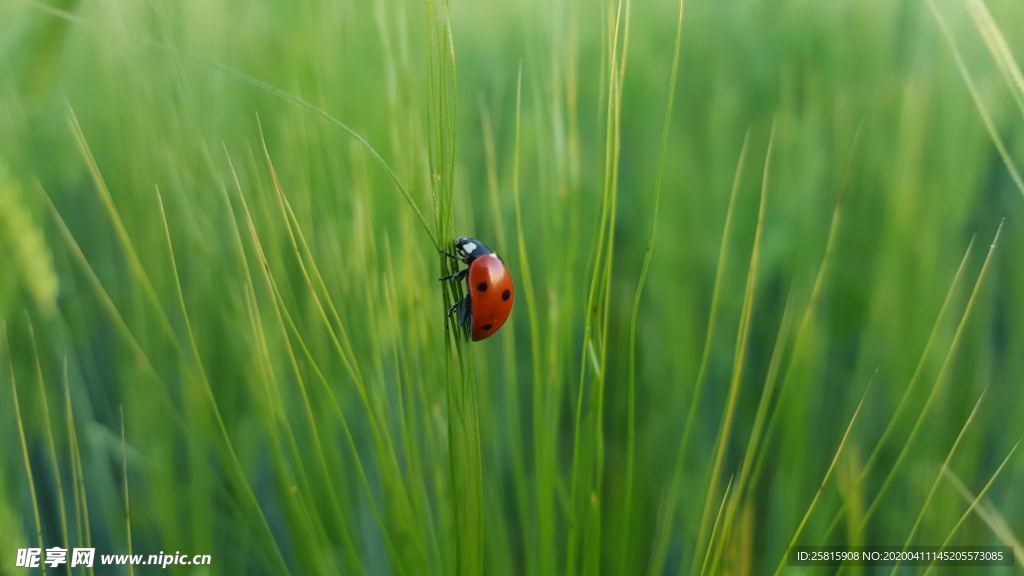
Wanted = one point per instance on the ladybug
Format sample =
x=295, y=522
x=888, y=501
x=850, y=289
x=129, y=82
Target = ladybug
x=488, y=300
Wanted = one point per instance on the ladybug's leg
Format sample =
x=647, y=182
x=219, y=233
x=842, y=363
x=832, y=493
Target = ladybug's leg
x=465, y=312
x=450, y=255
x=456, y=276
x=454, y=308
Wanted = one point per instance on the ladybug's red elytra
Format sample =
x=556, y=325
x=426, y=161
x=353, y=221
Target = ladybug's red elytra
x=489, y=291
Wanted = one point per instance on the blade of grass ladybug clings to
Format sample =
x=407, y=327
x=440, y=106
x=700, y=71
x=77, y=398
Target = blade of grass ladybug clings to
x=466, y=472
x=990, y=515
x=667, y=523
x=941, y=378
x=979, y=102
x=938, y=478
x=981, y=494
x=739, y=359
x=635, y=313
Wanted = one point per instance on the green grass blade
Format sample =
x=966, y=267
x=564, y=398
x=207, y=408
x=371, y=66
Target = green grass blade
x=660, y=548
x=981, y=494
x=979, y=103
x=940, y=379
x=1000, y=527
x=124, y=486
x=890, y=426
x=824, y=481
x=1001, y=52
x=50, y=442
x=739, y=360
x=938, y=478
x=635, y=313
x=714, y=528
x=24, y=444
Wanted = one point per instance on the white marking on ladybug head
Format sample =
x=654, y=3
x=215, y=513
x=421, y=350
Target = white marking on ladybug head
x=468, y=247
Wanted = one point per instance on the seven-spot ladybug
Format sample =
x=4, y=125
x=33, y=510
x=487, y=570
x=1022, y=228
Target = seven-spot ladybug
x=489, y=299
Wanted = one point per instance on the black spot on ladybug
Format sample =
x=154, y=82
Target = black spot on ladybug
x=506, y=295
x=486, y=327
x=482, y=286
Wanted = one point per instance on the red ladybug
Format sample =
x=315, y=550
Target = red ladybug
x=488, y=301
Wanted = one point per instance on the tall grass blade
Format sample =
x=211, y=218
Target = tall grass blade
x=51, y=444
x=635, y=313
x=24, y=444
x=667, y=523
x=739, y=360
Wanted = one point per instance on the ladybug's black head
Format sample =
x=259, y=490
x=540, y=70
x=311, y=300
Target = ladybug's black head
x=470, y=248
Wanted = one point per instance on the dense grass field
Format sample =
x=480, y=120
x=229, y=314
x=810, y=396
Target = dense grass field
x=767, y=259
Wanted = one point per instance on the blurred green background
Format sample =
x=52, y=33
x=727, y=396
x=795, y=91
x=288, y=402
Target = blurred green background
x=190, y=237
